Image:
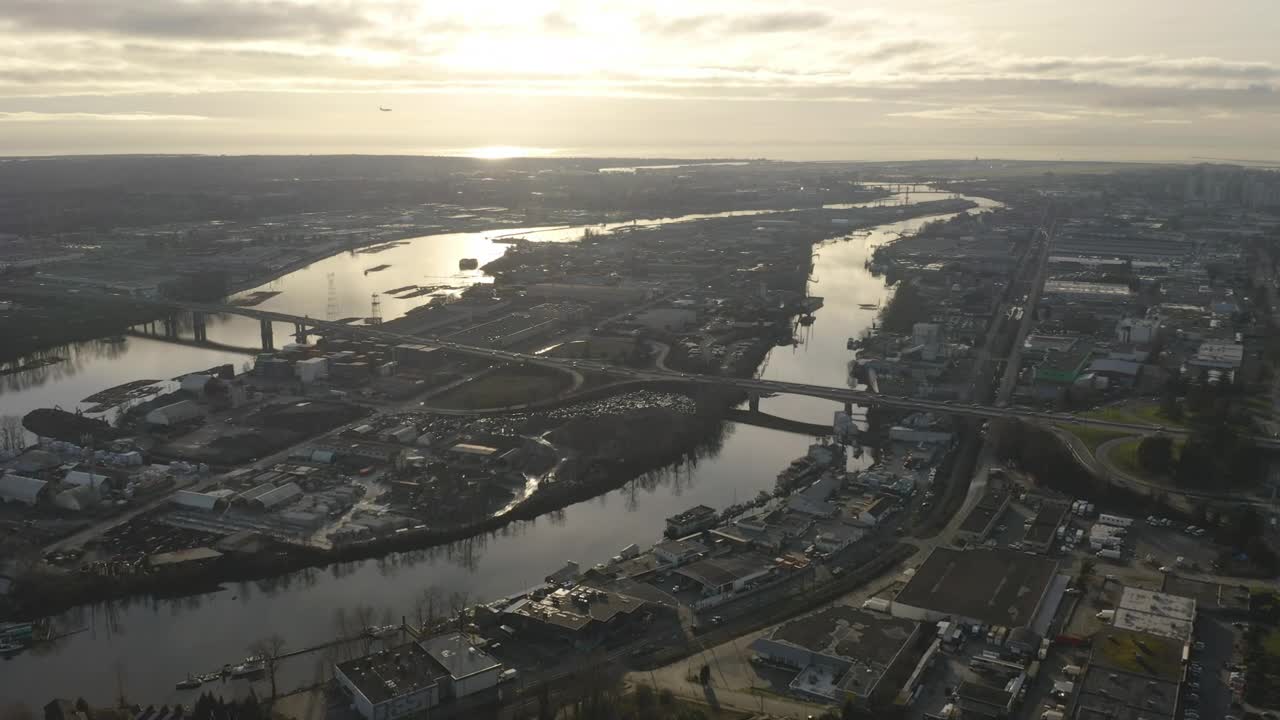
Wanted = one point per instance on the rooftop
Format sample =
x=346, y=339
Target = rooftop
x=1108, y=692
x=1171, y=616
x=999, y=587
x=1100, y=291
x=392, y=673
x=576, y=608
x=1152, y=656
x=714, y=572
x=457, y=655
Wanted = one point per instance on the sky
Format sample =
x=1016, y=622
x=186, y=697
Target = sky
x=1163, y=80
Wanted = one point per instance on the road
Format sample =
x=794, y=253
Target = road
x=749, y=385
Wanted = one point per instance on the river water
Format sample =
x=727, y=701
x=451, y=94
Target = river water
x=147, y=645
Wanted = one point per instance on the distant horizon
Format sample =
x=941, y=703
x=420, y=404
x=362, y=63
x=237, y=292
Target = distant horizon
x=554, y=155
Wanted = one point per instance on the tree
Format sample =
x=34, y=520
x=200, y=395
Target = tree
x=1155, y=454
x=1086, y=569
x=269, y=648
x=13, y=437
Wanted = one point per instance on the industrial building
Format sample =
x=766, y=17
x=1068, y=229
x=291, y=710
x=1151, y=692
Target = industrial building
x=582, y=616
x=720, y=577
x=392, y=684
x=1130, y=675
x=843, y=653
x=183, y=411
x=468, y=669
x=1157, y=613
x=981, y=587
x=22, y=489
x=696, y=518
x=980, y=521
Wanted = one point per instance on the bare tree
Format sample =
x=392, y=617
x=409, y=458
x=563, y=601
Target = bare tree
x=13, y=437
x=269, y=649
x=426, y=608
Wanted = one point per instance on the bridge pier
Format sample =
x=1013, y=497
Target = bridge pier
x=753, y=401
x=268, y=342
x=848, y=407
x=171, y=326
x=300, y=333
x=199, y=326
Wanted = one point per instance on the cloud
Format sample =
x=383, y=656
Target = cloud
x=762, y=23
x=982, y=113
x=781, y=21
x=1167, y=121
x=190, y=19
x=27, y=116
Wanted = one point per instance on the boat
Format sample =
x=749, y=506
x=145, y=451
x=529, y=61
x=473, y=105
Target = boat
x=468, y=264
x=806, y=320
x=190, y=683
x=869, y=306
x=209, y=677
x=251, y=665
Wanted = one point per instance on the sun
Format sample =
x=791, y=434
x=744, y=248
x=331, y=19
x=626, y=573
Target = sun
x=503, y=152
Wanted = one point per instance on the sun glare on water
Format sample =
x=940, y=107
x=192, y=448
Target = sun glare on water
x=502, y=152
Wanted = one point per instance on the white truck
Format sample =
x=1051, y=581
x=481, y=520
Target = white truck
x=1115, y=520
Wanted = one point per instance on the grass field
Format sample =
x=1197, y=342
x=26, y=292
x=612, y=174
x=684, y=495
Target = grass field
x=1125, y=457
x=616, y=350
x=504, y=387
x=1149, y=413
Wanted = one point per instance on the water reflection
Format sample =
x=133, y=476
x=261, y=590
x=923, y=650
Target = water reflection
x=159, y=641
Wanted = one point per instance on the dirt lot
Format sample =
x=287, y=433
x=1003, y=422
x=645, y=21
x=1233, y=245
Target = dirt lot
x=505, y=387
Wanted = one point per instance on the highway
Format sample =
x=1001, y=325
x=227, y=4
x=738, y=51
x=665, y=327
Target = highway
x=748, y=385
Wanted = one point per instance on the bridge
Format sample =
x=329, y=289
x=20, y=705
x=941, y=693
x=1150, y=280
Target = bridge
x=754, y=388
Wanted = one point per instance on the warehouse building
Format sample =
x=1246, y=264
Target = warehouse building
x=1171, y=616
x=391, y=684
x=980, y=587
x=843, y=653
x=183, y=411
x=278, y=496
x=22, y=489
x=468, y=669
x=582, y=616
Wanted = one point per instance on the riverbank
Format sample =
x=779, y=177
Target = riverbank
x=671, y=438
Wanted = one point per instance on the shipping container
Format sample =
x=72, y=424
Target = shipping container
x=1115, y=520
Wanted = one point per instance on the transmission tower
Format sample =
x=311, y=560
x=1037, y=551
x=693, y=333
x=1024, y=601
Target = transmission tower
x=375, y=317
x=331, y=309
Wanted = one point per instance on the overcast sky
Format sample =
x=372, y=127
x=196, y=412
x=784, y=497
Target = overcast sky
x=829, y=79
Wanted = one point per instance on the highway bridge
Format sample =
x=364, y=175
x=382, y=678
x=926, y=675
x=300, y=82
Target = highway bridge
x=755, y=388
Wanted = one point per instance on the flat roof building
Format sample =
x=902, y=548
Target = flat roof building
x=583, y=615
x=392, y=684
x=470, y=669
x=1171, y=616
x=842, y=653
x=990, y=587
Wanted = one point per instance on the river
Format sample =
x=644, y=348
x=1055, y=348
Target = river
x=147, y=645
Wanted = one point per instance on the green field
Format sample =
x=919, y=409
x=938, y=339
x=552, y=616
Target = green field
x=1125, y=457
x=1149, y=413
